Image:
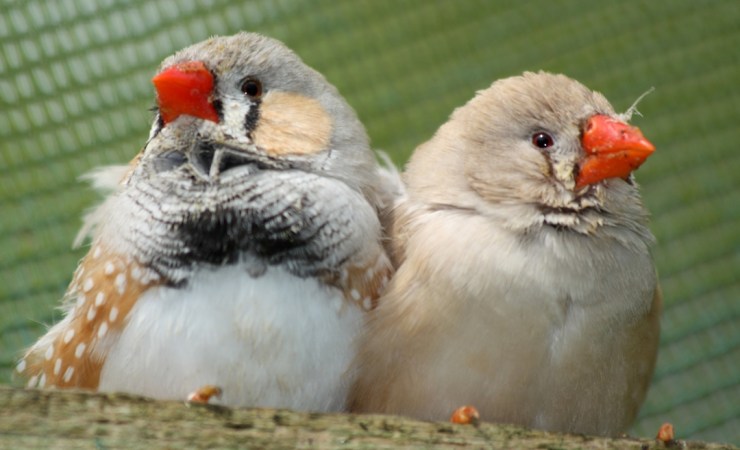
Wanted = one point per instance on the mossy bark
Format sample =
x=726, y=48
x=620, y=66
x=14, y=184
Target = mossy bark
x=69, y=419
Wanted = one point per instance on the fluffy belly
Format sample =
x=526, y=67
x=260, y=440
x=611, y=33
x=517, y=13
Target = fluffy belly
x=272, y=341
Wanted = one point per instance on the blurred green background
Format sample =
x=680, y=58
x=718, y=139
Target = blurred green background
x=75, y=91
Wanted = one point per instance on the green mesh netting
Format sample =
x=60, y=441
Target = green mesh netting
x=75, y=89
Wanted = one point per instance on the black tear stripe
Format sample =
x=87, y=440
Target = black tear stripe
x=252, y=117
x=218, y=105
x=160, y=124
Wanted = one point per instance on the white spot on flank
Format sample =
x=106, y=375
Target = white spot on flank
x=113, y=314
x=103, y=329
x=21, y=366
x=42, y=380
x=355, y=294
x=69, y=335
x=88, y=285
x=80, y=350
x=109, y=268
x=367, y=303
x=120, y=283
x=57, y=366
x=49, y=353
x=136, y=273
x=91, y=313
x=384, y=281
x=68, y=374
x=369, y=273
x=81, y=300
x=96, y=253
x=33, y=381
x=99, y=299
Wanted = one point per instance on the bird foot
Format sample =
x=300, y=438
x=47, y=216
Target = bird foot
x=204, y=394
x=466, y=415
x=666, y=434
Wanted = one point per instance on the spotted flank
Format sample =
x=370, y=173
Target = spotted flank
x=363, y=284
x=104, y=289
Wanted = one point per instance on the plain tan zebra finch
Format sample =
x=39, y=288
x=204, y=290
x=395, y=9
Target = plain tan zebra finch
x=525, y=283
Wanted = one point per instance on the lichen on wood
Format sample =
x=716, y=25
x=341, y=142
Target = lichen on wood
x=74, y=419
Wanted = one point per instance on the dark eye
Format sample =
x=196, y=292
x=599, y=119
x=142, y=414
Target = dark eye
x=252, y=87
x=542, y=140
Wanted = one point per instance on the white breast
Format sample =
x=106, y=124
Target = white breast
x=272, y=341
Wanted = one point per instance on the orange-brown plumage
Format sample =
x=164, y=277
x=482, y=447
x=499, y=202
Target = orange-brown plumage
x=104, y=289
x=364, y=284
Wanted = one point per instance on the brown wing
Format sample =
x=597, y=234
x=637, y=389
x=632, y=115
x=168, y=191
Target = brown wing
x=104, y=289
x=364, y=281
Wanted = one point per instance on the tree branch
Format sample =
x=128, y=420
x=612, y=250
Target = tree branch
x=70, y=419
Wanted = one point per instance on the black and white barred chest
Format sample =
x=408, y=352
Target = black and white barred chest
x=305, y=222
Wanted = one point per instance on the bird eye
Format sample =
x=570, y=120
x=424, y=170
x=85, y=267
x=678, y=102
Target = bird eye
x=252, y=87
x=542, y=140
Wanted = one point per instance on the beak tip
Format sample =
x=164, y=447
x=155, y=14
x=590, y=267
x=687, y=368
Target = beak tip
x=613, y=150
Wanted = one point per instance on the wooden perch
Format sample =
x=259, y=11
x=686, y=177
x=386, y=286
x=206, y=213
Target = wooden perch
x=69, y=419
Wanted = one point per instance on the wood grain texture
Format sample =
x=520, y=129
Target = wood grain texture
x=73, y=419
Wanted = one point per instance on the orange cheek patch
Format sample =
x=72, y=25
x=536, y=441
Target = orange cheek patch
x=105, y=288
x=291, y=124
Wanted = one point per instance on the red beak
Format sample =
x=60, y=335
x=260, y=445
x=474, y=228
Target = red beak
x=185, y=88
x=613, y=150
